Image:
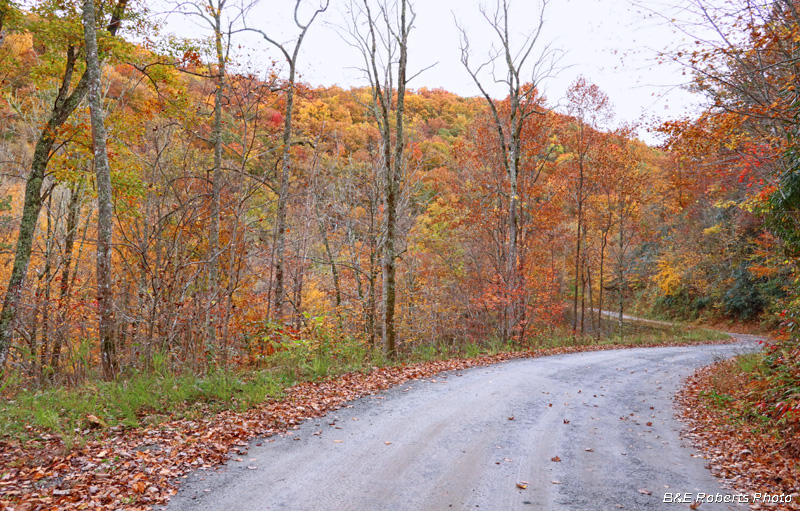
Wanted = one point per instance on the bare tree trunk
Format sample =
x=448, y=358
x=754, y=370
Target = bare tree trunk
x=47, y=281
x=394, y=42
x=621, y=272
x=286, y=161
x=601, y=283
x=283, y=192
x=522, y=103
x=591, y=300
x=105, y=218
x=578, y=240
x=216, y=181
x=64, y=295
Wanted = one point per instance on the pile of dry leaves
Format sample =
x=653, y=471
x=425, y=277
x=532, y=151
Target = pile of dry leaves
x=139, y=468
x=748, y=462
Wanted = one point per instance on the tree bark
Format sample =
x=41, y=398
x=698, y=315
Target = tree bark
x=64, y=296
x=105, y=211
x=216, y=180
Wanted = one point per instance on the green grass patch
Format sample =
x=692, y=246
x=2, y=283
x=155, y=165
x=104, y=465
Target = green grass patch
x=157, y=395
x=634, y=333
x=132, y=402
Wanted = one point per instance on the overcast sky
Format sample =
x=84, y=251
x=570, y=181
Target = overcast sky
x=608, y=41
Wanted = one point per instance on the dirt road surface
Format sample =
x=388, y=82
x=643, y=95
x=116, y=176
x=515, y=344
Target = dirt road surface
x=590, y=431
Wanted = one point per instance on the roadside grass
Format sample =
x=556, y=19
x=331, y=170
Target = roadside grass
x=76, y=414
x=636, y=333
x=760, y=392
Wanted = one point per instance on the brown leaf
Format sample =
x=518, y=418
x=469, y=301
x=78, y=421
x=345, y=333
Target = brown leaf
x=555, y=458
x=645, y=492
x=94, y=422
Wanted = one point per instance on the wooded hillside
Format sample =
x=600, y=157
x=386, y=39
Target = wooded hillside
x=253, y=212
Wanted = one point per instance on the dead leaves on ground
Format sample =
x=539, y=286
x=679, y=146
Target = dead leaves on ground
x=139, y=468
x=747, y=462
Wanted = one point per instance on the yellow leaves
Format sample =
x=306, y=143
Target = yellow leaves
x=668, y=278
x=714, y=229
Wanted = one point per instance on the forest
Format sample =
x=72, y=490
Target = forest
x=225, y=213
x=168, y=210
x=184, y=230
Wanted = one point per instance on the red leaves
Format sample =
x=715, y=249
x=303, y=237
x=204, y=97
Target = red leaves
x=757, y=462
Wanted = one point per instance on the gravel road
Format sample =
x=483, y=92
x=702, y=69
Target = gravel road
x=465, y=440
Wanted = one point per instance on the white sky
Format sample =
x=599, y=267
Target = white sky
x=607, y=41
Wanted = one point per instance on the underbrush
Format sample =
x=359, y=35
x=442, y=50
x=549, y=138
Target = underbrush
x=761, y=392
x=142, y=397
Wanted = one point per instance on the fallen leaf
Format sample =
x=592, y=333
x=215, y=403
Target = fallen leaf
x=589, y=449
x=522, y=485
x=555, y=458
x=95, y=422
x=645, y=492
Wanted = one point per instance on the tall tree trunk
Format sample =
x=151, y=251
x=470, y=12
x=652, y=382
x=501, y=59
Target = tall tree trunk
x=47, y=281
x=621, y=274
x=64, y=295
x=392, y=164
x=578, y=239
x=105, y=213
x=283, y=179
x=591, y=300
x=65, y=103
x=511, y=263
x=216, y=184
x=394, y=173
x=601, y=283
x=283, y=196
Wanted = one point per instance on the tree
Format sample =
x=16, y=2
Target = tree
x=66, y=101
x=590, y=110
x=522, y=104
x=286, y=154
x=384, y=49
x=105, y=212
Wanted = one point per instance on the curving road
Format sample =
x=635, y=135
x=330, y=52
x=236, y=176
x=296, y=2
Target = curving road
x=465, y=440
